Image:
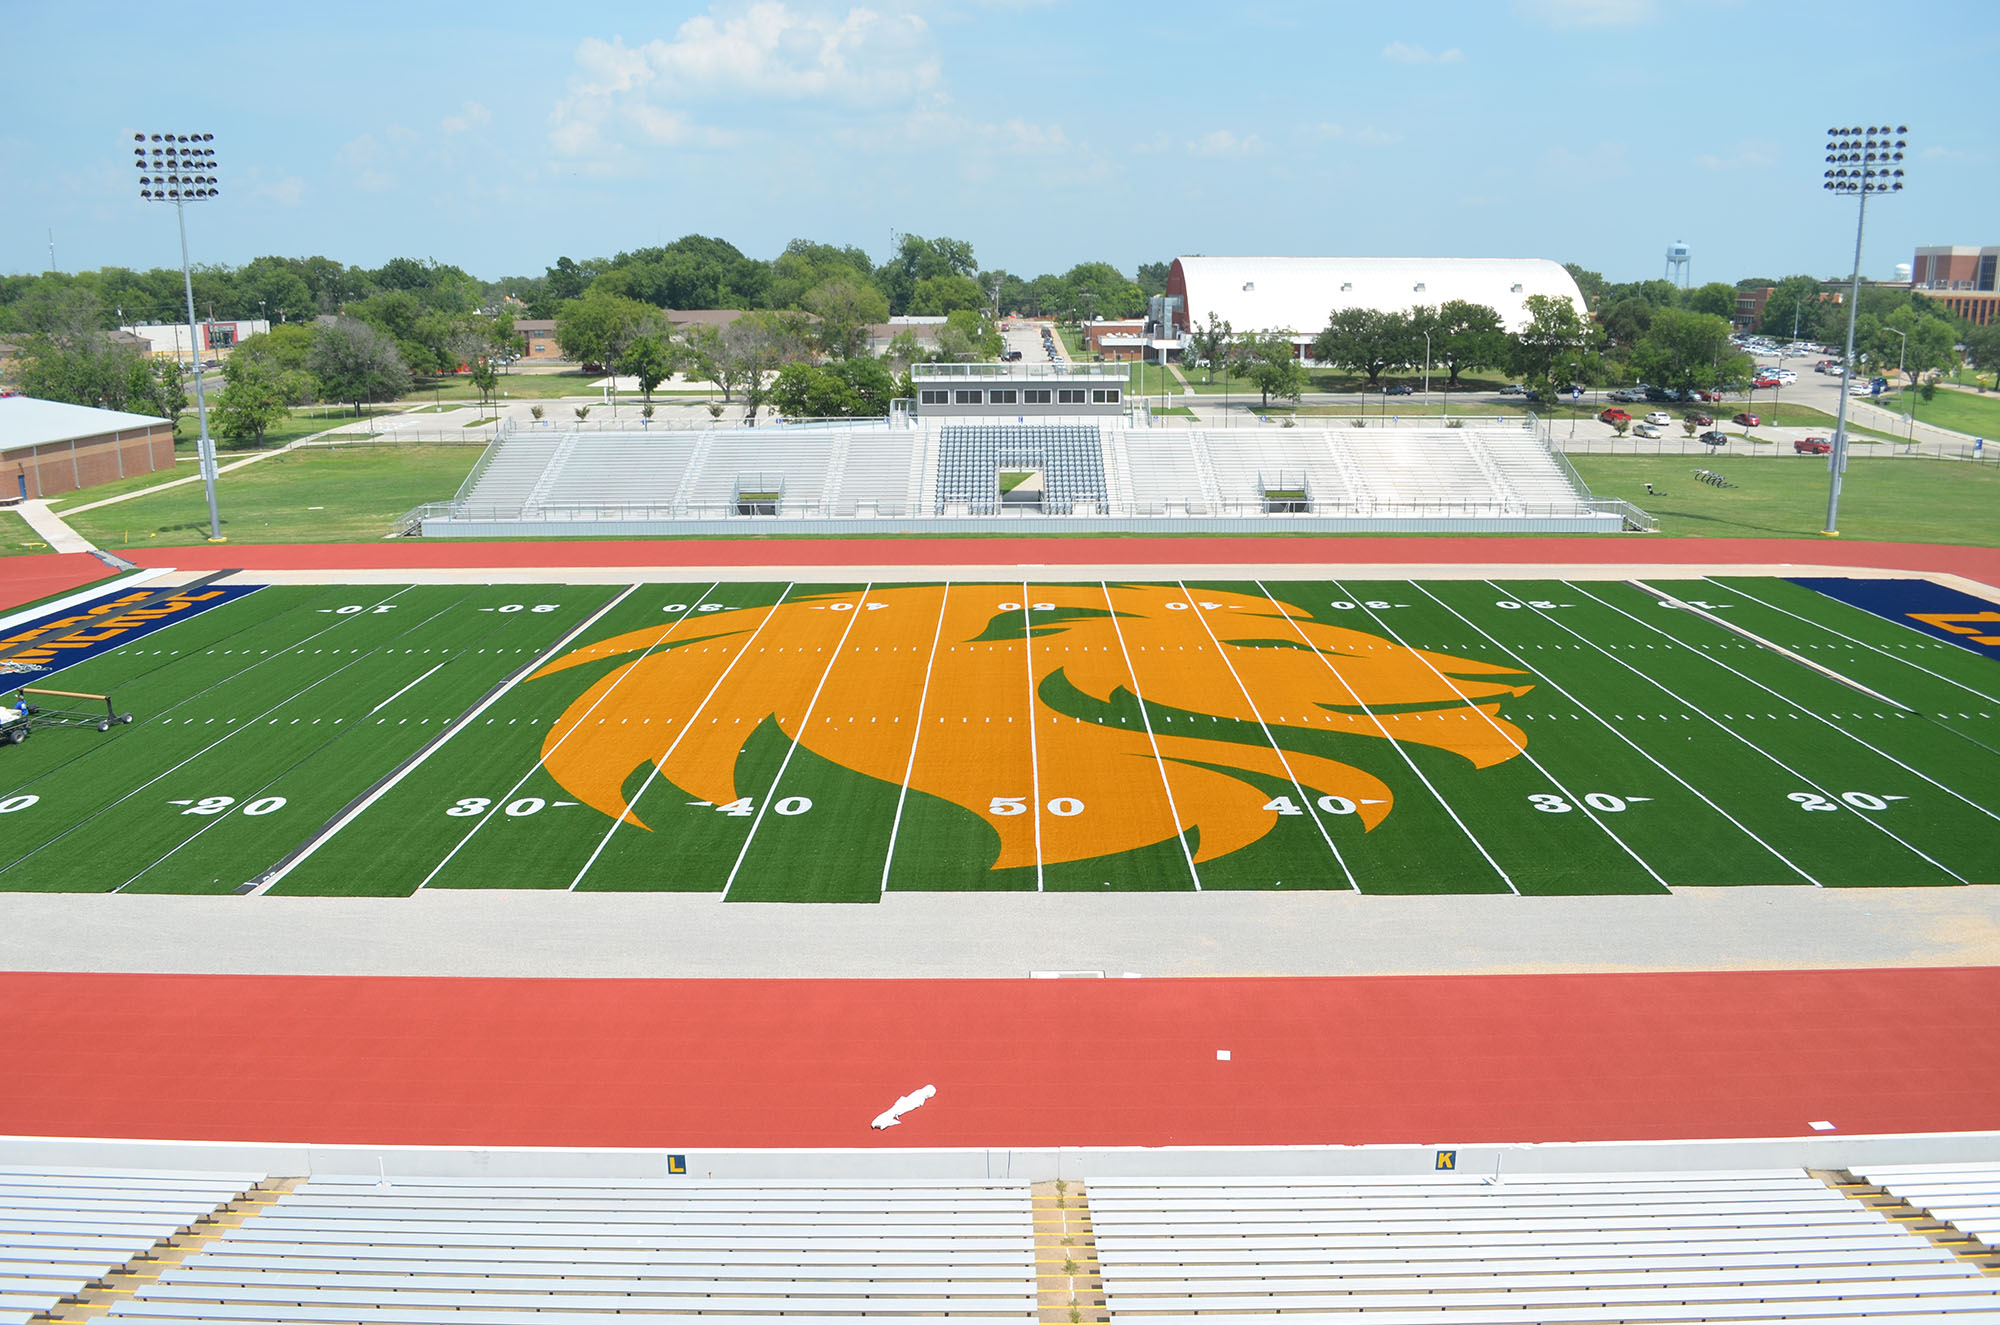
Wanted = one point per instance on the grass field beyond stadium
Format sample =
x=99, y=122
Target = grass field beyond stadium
x=797, y=742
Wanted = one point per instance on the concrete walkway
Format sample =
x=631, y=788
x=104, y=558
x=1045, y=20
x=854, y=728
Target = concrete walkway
x=59, y=536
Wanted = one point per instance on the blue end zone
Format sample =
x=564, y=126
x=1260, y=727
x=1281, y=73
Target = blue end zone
x=41, y=648
x=1946, y=614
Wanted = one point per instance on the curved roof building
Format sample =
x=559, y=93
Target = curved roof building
x=1298, y=294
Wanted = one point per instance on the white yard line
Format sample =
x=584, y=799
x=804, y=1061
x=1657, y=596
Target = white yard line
x=1543, y=678
x=1809, y=712
x=1536, y=764
x=1034, y=759
x=404, y=691
x=896, y=824
x=1139, y=694
x=1304, y=799
x=1872, y=648
x=686, y=727
x=1395, y=744
x=771, y=793
x=1717, y=723
x=543, y=757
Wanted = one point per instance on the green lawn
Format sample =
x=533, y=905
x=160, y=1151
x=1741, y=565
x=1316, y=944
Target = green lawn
x=1961, y=411
x=343, y=494
x=1784, y=496
x=513, y=386
x=16, y=538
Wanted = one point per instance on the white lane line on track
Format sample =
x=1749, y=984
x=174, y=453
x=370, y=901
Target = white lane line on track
x=1720, y=726
x=1533, y=762
x=1382, y=729
x=284, y=652
x=1284, y=762
x=1809, y=712
x=686, y=727
x=1138, y=692
x=1851, y=639
x=895, y=825
x=1034, y=762
x=1545, y=679
x=451, y=729
x=805, y=721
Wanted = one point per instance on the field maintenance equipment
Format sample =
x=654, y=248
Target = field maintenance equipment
x=22, y=716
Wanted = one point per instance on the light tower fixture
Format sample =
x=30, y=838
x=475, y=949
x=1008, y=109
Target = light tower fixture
x=1860, y=160
x=180, y=168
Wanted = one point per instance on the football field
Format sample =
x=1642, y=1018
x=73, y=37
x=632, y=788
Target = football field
x=836, y=741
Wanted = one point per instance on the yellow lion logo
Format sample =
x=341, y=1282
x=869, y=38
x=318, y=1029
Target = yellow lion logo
x=1221, y=674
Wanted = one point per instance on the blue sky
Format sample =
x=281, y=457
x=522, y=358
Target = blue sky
x=499, y=136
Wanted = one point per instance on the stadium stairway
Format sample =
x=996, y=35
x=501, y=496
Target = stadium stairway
x=1069, y=1282
x=1936, y=1228
x=117, y=1285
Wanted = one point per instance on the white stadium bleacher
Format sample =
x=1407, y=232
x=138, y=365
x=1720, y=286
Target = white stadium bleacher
x=506, y=1250
x=1459, y=1250
x=1110, y=474
x=63, y=1229
x=1966, y=1196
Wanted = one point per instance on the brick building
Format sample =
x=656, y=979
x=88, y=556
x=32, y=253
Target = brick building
x=48, y=448
x=1962, y=279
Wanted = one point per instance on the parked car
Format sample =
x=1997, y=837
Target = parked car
x=1766, y=383
x=1713, y=438
x=1660, y=395
x=1700, y=420
x=1511, y=390
x=1811, y=445
x=1626, y=396
x=1659, y=418
x=1612, y=415
x=1646, y=430
x=1708, y=397
x=1399, y=390
x=1746, y=419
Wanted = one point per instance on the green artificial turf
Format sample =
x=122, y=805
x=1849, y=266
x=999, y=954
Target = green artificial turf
x=1661, y=750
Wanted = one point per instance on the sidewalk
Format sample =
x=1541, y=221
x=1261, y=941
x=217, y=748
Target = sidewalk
x=59, y=536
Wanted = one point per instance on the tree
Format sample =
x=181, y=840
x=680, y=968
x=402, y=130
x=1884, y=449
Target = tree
x=1273, y=365
x=967, y=337
x=597, y=327
x=917, y=259
x=1467, y=335
x=1626, y=321
x=1151, y=277
x=253, y=398
x=647, y=358
x=356, y=364
x=86, y=369
x=1590, y=284
x=484, y=379
x=846, y=306
x=1366, y=340
x=1983, y=345
x=936, y=296
x=1102, y=290
x=1716, y=297
x=1211, y=343
x=752, y=347
x=284, y=347
x=1555, y=338
x=167, y=394
x=852, y=388
x=1683, y=351
x=1792, y=308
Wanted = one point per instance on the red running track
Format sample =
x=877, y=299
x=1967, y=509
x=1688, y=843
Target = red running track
x=25, y=579
x=727, y=1063
x=1978, y=563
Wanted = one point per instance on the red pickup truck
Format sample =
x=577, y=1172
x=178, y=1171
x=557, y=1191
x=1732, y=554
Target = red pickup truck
x=1811, y=445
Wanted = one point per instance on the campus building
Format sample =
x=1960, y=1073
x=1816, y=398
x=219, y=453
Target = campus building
x=1962, y=279
x=1298, y=295
x=215, y=340
x=48, y=447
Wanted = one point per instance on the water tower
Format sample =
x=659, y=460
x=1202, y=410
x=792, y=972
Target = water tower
x=1678, y=257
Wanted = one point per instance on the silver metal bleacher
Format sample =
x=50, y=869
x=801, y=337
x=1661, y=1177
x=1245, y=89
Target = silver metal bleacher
x=503, y=1251
x=62, y=1229
x=1457, y=1250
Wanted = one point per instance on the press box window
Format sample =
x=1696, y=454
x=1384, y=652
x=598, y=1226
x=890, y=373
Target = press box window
x=933, y=397
x=1002, y=396
x=1071, y=395
x=1104, y=396
x=1035, y=396
x=965, y=398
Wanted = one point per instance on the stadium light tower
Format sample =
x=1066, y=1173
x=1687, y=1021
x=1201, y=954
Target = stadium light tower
x=1859, y=161
x=180, y=169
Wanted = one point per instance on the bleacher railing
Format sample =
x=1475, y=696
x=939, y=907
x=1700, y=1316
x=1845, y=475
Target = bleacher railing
x=602, y=512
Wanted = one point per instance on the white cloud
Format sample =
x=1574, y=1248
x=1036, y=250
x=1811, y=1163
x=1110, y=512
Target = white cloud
x=1406, y=53
x=760, y=52
x=1587, y=13
x=286, y=192
x=1366, y=135
x=472, y=116
x=1221, y=142
x=1751, y=154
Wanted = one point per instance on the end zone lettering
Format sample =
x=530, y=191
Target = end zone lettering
x=52, y=643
